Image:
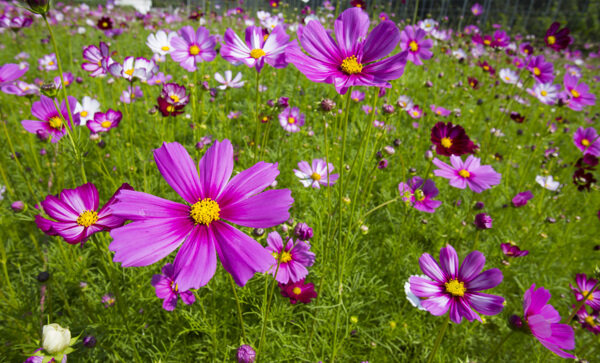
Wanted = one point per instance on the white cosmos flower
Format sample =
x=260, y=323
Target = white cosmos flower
x=546, y=92
x=228, y=82
x=86, y=109
x=160, y=42
x=55, y=338
x=547, y=182
x=508, y=76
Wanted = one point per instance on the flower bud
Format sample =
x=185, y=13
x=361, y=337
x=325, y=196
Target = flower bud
x=55, y=338
x=89, y=341
x=327, y=104
x=303, y=231
x=17, y=206
x=246, y=354
x=49, y=89
x=39, y=6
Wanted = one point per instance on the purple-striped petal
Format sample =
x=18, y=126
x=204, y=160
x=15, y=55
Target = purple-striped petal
x=350, y=26
x=380, y=42
x=486, y=304
x=424, y=288
x=486, y=280
x=471, y=266
x=431, y=268
x=449, y=261
x=437, y=305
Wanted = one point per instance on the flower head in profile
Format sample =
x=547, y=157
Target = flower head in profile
x=420, y=194
x=228, y=81
x=167, y=290
x=50, y=121
x=354, y=58
x=75, y=215
x=457, y=288
x=291, y=119
x=103, y=122
x=440, y=111
x=293, y=258
x=298, y=291
x=259, y=47
x=469, y=173
x=451, y=139
x=522, y=198
x=547, y=182
x=316, y=174
x=198, y=227
x=190, y=47
x=556, y=38
x=412, y=40
x=583, y=288
x=97, y=59
x=512, y=250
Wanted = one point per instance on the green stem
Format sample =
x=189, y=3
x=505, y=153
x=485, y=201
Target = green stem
x=415, y=13
x=581, y=302
x=438, y=340
x=256, y=116
x=263, y=329
x=239, y=309
x=497, y=348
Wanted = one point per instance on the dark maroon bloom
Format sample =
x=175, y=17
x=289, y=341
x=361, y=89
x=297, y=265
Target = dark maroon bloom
x=483, y=221
x=583, y=180
x=473, y=82
x=521, y=199
x=105, y=23
x=451, y=139
x=517, y=117
x=298, y=291
x=172, y=99
x=589, y=321
x=556, y=38
x=169, y=109
x=511, y=250
x=358, y=4
x=587, y=162
x=486, y=67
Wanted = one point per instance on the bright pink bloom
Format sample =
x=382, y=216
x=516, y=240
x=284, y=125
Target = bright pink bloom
x=298, y=291
x=470, y=173
x=11, y=72
x=192, y=47
x=587, y=140
x=103, y=122
x=166, y=289
x=50, y=123
x=584, y=286
x=294, y=258
x=412, y=40
x=420, y=194
x=577, y=94
x=259, y=47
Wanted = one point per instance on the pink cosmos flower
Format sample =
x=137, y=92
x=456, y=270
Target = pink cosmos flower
x=440, y=111
x=259, y=47
x=160, y=226
x=584, y=286
x=521, y=199
x=75, y=214
x=50, y=123
x=541, y=70
x=298, y=291
x=587, y=140
x=192, y=47
x=316, y=173
x=420, y=194
x=11, y=72
x=167, y=290
x=103, y=122
x=577, y=93
x=412, y=40
x=294, y=258
x=291, y=119
x=511, y=250
x=97, y=59
x=470, y=173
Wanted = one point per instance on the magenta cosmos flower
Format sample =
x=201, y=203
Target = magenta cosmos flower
x=577, y=94
x=259, y=47
x=543, y=321
x=412, y=40
x=160, y=226
x=584, y=286
x=315, y=174
x=291, y=119
x=522, y=198
x=294, y=258
x=556, y=38
x=298, y=291
x=97, y=59
x=192, y=47
x=352, y=60
x=541, y=70
x=103, y=122
x=50, y=123
x=470, y=173
x=512, y=250
x=457, y=288
x=76, y=215
x=11, y=72
x=420, y=194
x=167, y=290
x=587, y=141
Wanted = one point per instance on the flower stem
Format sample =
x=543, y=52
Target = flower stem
x=256, y=118
x=438, y=340
x=415, y=13
x=239, y=309
x=497, y=348
x=581, y=302
x=263, y=329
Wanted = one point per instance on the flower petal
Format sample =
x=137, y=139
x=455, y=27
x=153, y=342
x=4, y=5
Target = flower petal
x=471, y=266
x=486, y=280
x=431, y=268
x=449, y=261
x=215, y=168
x=486, y=304
x=264, y=210
x=196, y=261
x=179, y=170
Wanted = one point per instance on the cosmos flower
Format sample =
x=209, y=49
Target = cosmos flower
x=108, y=300
x=440, y=111
x=20, y=88
x=501, y=39
x=86, y=109
x=544, y=322
x=191, y=47
x=259, y=47
x=483, y=221
x=11, y=72
x=67, y=78
x=105, y=23
x=160, y=42
x=167, y=290
x=525, y=49
x=291, y=119
x=420, y=194
x=352, y=60
x=75, y=215
x=587, y=140
x=547, y=93
x=451, y=139
x=556, y=38
x=508, y=76
x=457, y=288
x=577, y=93
x=487, y=67
x=541, y=70
x=591, y=322
x=131, y=94
x=50, y=123
x=415, y=112
x=412, y=40
x=140, y=68
x=159, y=79
x=512, y=250
x=316, y=173
x=547, y=182
x=103, y=122
x=160, y=226
x=522, y=198
x=47, y=63
x=97, y=59
x=15, y=23
x=470, y=173
x=405, y=103
x=228, y=81
x=428, y=25
x=584, y=286
x=357, y=96
x=298, y=291
x=477, y=9
x=293, y=258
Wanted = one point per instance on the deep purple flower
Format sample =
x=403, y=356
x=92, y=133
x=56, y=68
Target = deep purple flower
x=584, y=286
x=420, y=194
x=483, y=221
x=587, y=140
x=457, y=290
x=522, y=198
x=50, y=123
x=105, y=23
x=103, y=122
x=259, y=47
x=470, y=173
x=589, y=321
x=412, y=40
x=293, y=258
x=167, y=289
x=512, y=250
x=544, y=322
x=556, y=38
x=541, y=70
x=160, y=226
x=525, y=49
x=298, y=291
x=246, y=354
x=11, y=72
x=303, y=231
x=89, y=341
x=76, y=215
x=192, y=47
x=583, y=180
x=577, y=94
x=351, y=60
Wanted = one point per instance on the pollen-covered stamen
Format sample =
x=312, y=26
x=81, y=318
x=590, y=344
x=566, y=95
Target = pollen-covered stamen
x=174, y=287
x=487, y=42
x=536, y=71
x=55, y=122
x=165, y=48
x=194, y=50
x=351, y=66
x=544, y=93
x=175, y=98
x=170, y=108
x=413, y=46
x=83, y=113
x=296, y=290
x=575, y=93
x=446, y=142
x=585, y=292
x=257, y=53
x=129, y=72
x=551, y=39
x=585, y=142
x=464, y=173
x=315, y=176
x=455, y=287
x=284, y=257
x=205, y=211
x=291, y=120
x=106, y=124
x=87, y=218
x=589, y=320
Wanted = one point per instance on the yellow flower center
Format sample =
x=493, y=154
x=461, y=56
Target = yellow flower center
x=175, y=98
x=205, y=211
x=87, y=218
x=51, y=63
x=296, y=290
x=174, y=286
x=285, y=256
x=455, y=287
x=585, y=142
x=507, y=78
x=487, y=42
x=413, y=46
x=194, y=50
x=129, y=72
x=165, y=48
x=104, y=24
x=487, y=68
x=83, y=113
x=351, y=66
x=170, y=108
x=575, y=93
x=55, y=122
x=446, y=142
x=257, y=53
x=419, y=195
x=585, y=292
x=158, y=81
x=106, y=124
x=589, y=320
x=551, y=39
x=315, y=176
x=291, y=120
x=544, y=93
x=67, y=82
x=536, y=71
x=464, y=173
x=415, y=113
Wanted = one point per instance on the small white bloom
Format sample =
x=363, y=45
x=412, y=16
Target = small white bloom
x=86, y=109
x=546, y=92
x=547, y=182
x=55, y=338
x=228, y=82
x=160, y=42
x=508, y=76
